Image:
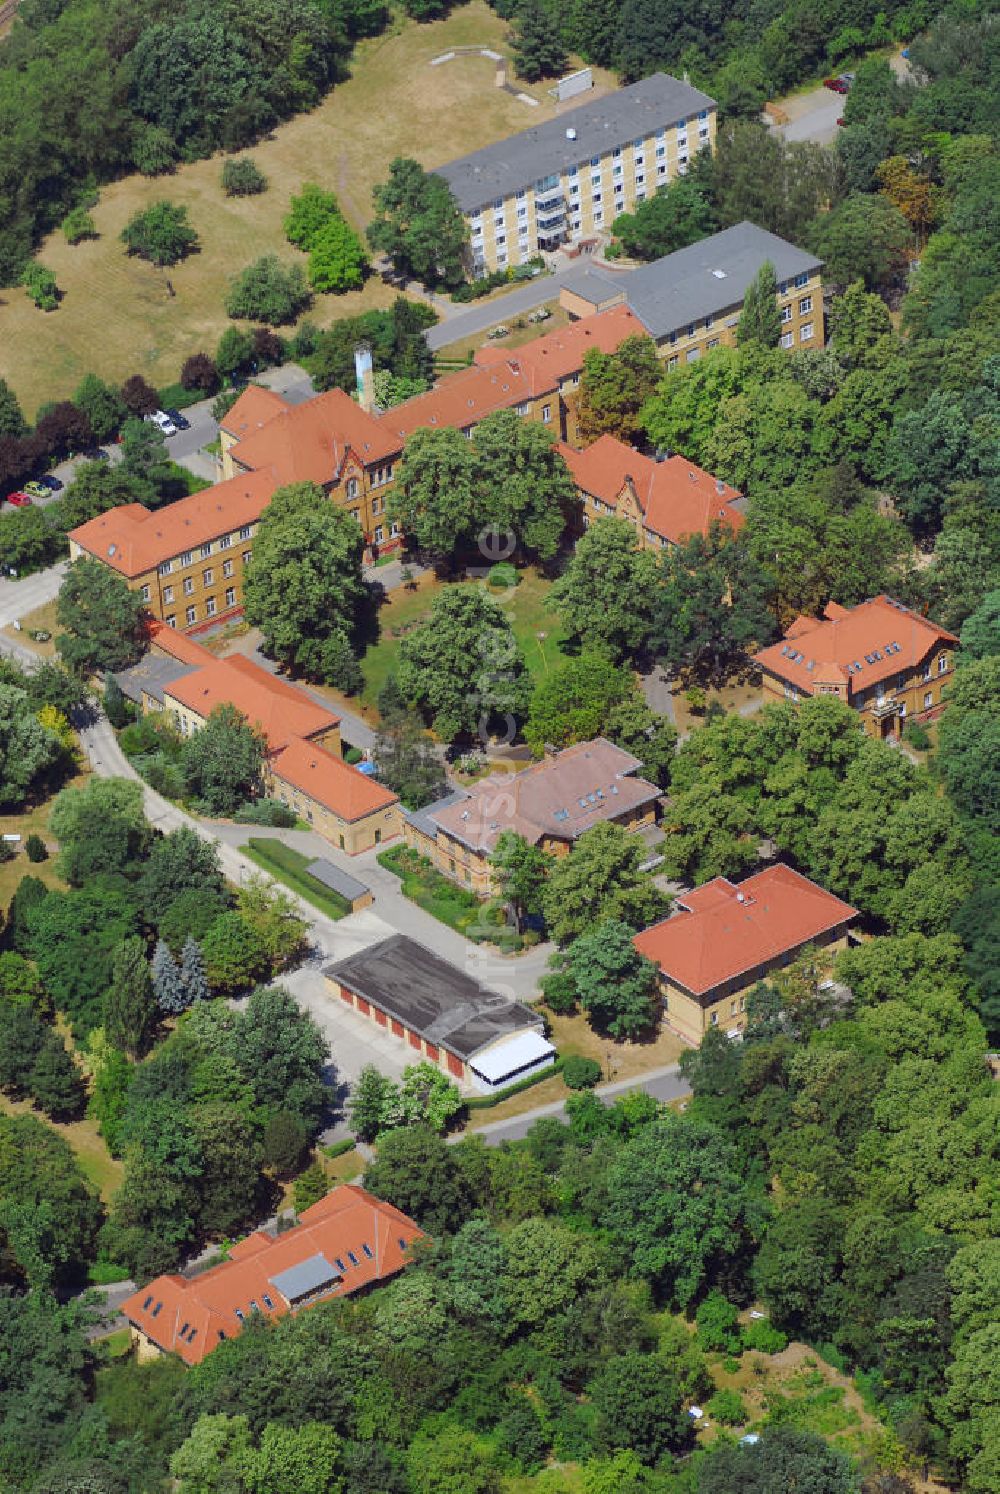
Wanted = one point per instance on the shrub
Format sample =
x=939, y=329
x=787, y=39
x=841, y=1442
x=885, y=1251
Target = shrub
x=337, y=259
x=353, y=755
x=764, y=1338
x=268, y=291
x=503, y=576
x=581, y=1073
x=242, y=177
x=160, y=233
x=728, y=1407
x=78, y=225
x=199, y=372
x=917, y=736
x=717, y=1323
x=35, y=848
x=7, y=852
x=40, y=284
x=559, y=993
x=266, y=812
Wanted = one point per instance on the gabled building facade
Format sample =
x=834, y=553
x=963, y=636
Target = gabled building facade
x=885, y=661
x=665, y=500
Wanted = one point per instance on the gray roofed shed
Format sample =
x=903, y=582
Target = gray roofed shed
x=710, y=277
x=656, y=102
x=338, y=881
x=430, y=996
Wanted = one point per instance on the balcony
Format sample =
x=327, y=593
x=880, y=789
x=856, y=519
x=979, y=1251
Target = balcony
x=551, y=223
x=548, y=197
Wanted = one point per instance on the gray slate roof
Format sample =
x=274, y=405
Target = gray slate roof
x=430, y=996
x=684, y=287
x=338, y=881
x=425, y=819
x=308, y=1276
x=152, y=675
x=619, y=117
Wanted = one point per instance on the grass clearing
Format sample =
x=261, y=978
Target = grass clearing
x=43, y=617
x=33, y=820
x=117, y=316
x=96, y=1162
x=536, y=626
x=735, y=697
x=618, y=1060
x=289, y=866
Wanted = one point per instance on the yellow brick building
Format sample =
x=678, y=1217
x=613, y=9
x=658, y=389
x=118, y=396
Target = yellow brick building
x=690, y=302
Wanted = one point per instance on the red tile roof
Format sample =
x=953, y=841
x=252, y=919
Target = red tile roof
x=308, y=442
x=280, y=710
x=866, y=644
x=549, y=359
x=560, y=797
x=134, y=540
x=326, y=778
x=192, y=1316
x=253, y=410
x=727, y=929
x=677, y=498
x=178, y=645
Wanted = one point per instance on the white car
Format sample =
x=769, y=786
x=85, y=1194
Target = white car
x=163, y=422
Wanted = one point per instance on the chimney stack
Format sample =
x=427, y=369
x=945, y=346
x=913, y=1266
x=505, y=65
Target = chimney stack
x=364, y=376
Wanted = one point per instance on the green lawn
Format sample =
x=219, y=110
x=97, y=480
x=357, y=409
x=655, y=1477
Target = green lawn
x=289, y=866
x=526, y=607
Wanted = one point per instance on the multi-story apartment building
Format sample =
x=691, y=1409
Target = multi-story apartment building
x=569, y=178
x=890, y=664
x=690, y=302
x=551, y=804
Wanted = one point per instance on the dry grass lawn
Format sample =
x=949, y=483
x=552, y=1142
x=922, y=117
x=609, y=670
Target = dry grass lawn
x=458, y=352
x=731, y=697
x=96, y=1162
x=31, y=821
x=41, y=617
x=618, y=1060
x=117, y=316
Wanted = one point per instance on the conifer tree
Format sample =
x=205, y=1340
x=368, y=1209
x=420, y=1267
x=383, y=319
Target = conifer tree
x=760, y=319
x=168, y=987
x=129, y=1008
x=192, y=973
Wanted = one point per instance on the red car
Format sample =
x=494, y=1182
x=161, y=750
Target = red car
x=19, y=500
x=838, y=85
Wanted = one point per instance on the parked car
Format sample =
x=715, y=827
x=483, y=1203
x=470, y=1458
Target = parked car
x=163, y=422
x=841, y=122
x=180, y=421
x=50, y=482
x=36, y=490
x=836, y=84
x=19, y=500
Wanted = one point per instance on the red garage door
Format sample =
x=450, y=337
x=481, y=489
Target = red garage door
x=414, y=1040
x=455, y=1066
x=380, y=1017
x=397, y=1028
x=363, y=1006
x=432, y=1052
x=345, y=995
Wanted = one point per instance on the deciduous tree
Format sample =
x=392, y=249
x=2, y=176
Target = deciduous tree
x=614, y=387
x=129, y=1007
x=615, y=984
x=160, y=233
x=418, y=224
x=223, y=760
x=600, y=879
x=103, y=619
x=608, y=592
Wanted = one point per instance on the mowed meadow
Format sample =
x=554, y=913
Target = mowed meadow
x=118, y=316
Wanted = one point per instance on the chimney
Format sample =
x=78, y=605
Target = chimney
x=364, y=376
x=720, y=486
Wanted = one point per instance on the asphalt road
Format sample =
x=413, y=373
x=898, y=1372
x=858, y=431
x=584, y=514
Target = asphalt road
x=479, y=318
x=813, y=116
x=663, y=1084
